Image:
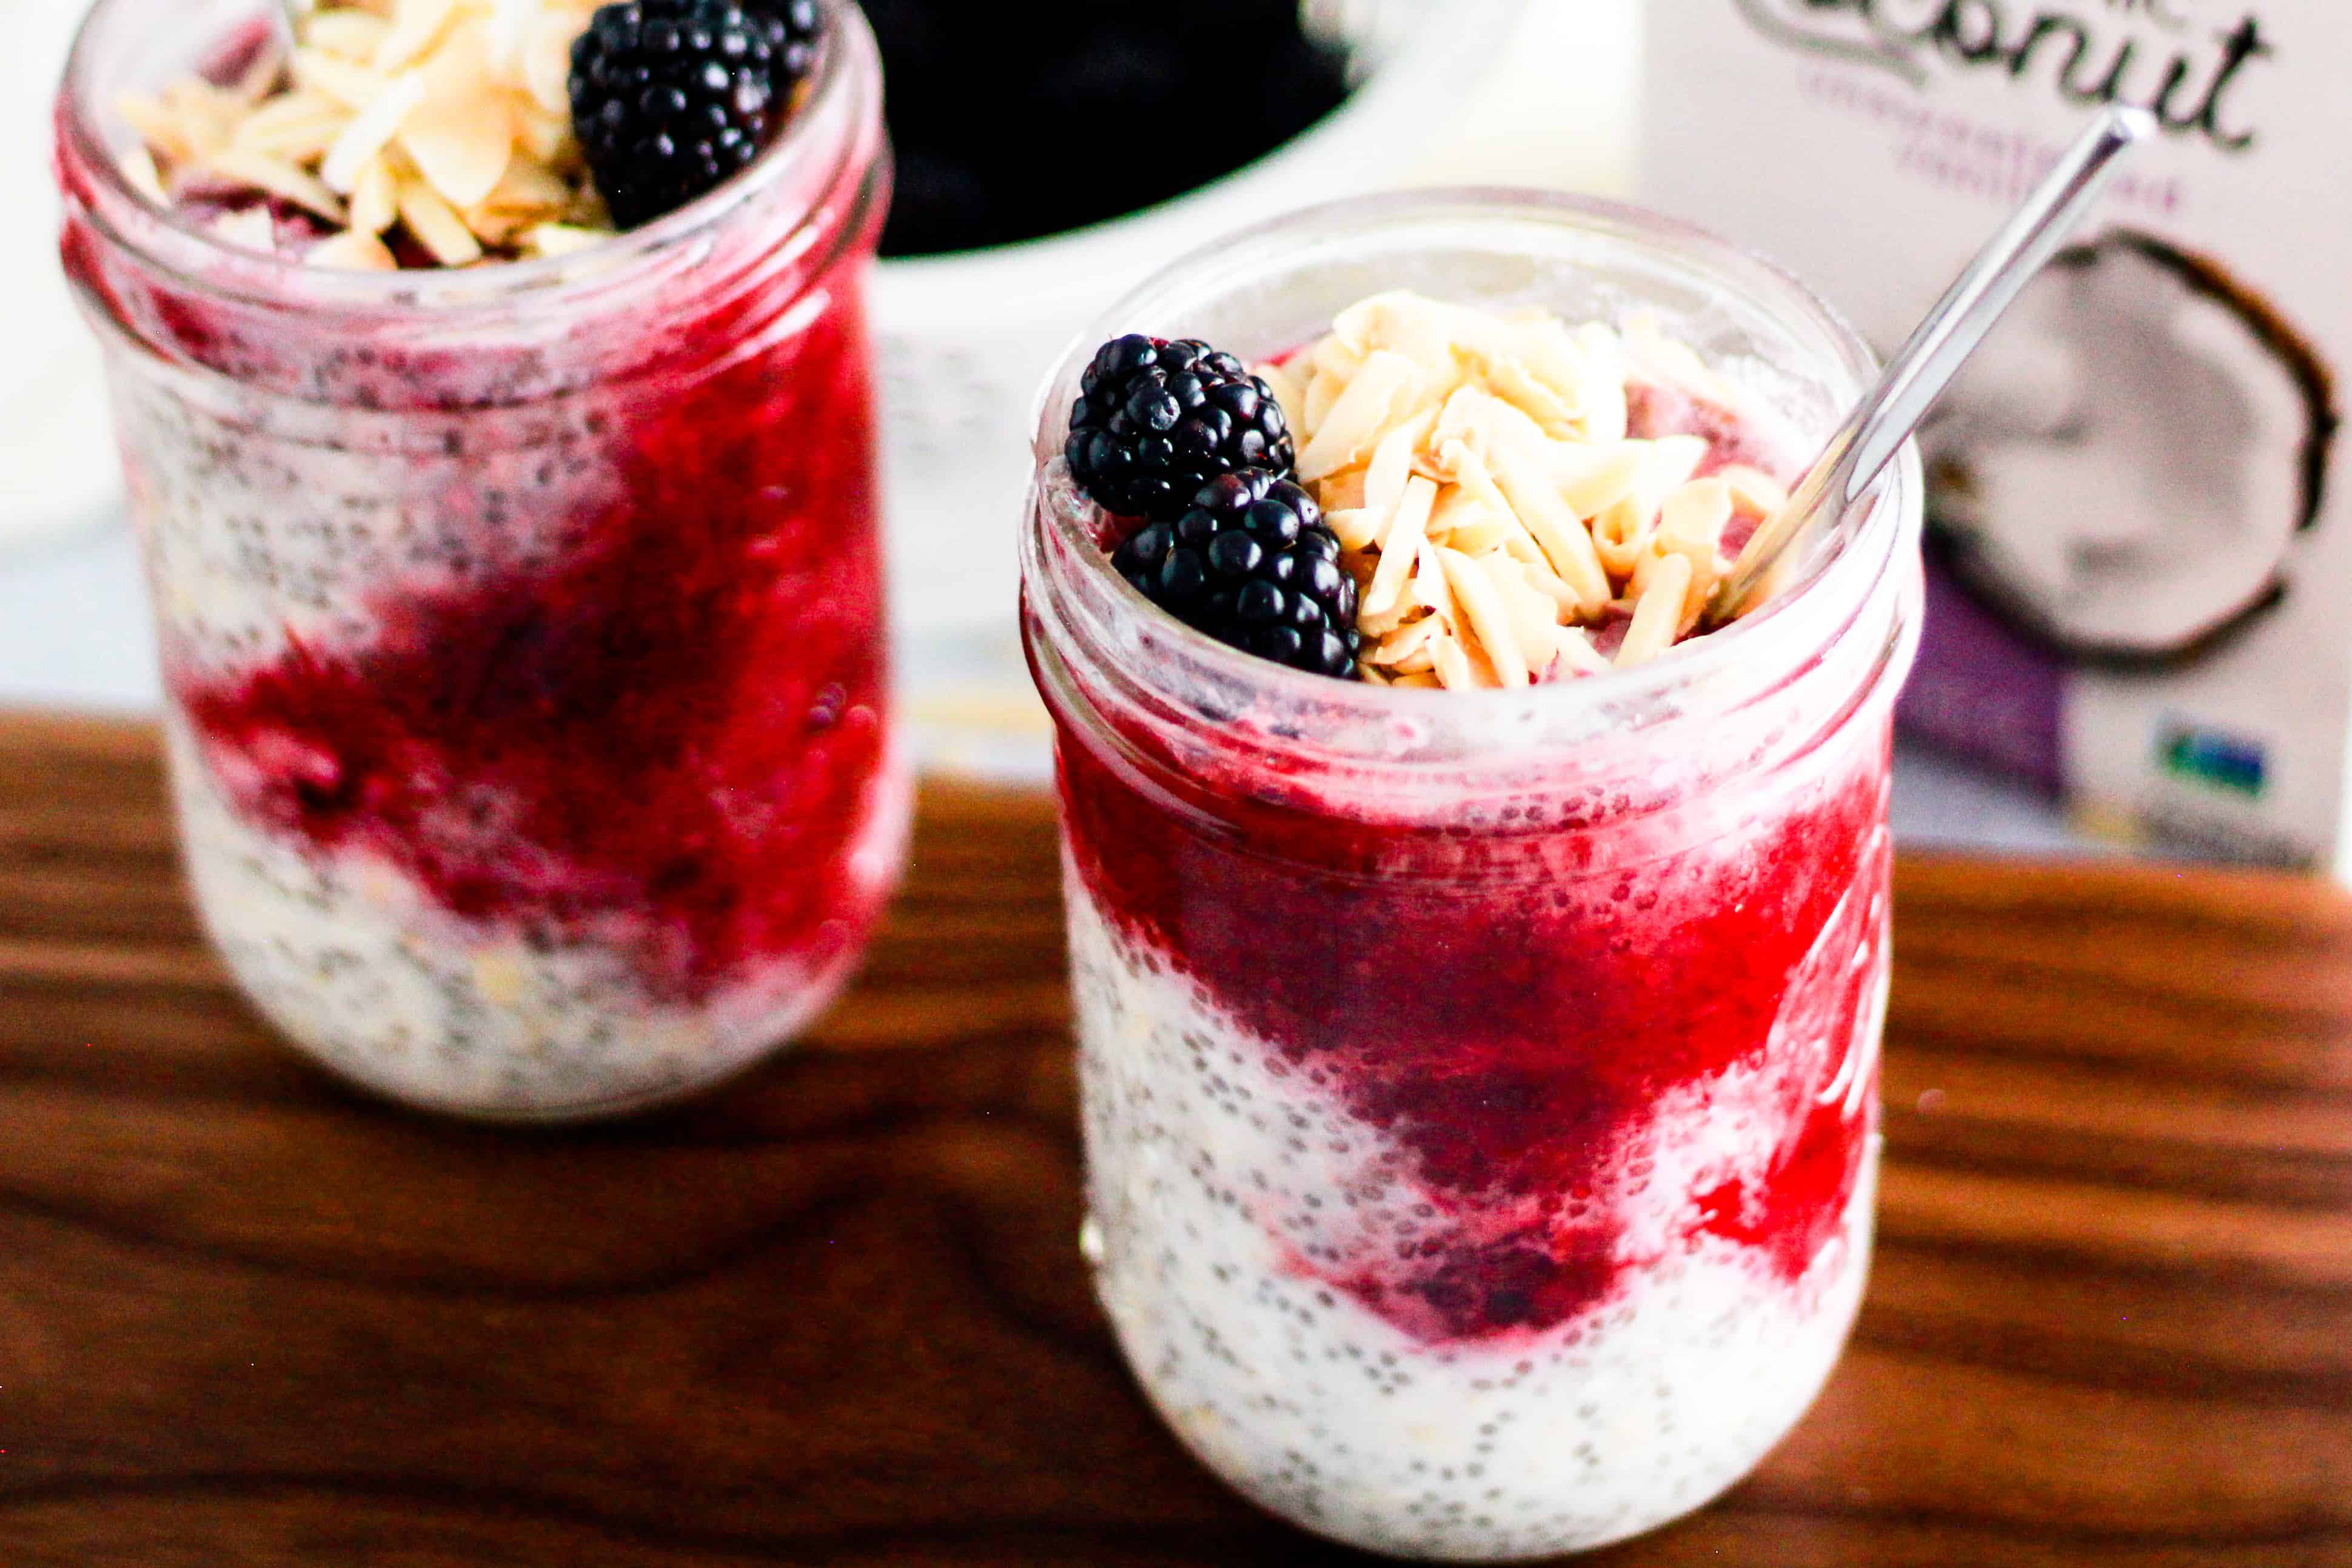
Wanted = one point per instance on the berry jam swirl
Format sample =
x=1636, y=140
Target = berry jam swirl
x=1518, y=1026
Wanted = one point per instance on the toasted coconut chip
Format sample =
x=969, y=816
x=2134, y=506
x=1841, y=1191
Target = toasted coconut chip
x=252, y=228
x=546, y=138
x=1323, y=390
x=353, y=35
x=354, y=250
x=1692, y=519
x=332, y=76
x=1356, y=527
x=1341, y=491
x=416, y=25
x=1534, y=619
x=1429, y=586
x=1620, y=534
x=437, y=225
x=1551, y=414
x=562, y=239
x=1488, y=616
x=1593, y=476
x=1452, y=664
x=1347, y=433
x=1391, y=461
x=546, y=63
x=370, y=130
x=1577, y=654
x=274, y=176
x=1401, y=545
x=260, y=74
x=296, y=137
x=1402, y=644
x=1334, y=357
x=375, y=197
x=1658, y=613
x=1754, y=492
x=174, y=131
x=138, y=166
x=462, y=135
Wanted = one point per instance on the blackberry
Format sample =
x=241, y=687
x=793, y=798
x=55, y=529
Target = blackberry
x=791, y=27
x=1158, y=420
x=1252, y=564
x=671, y=97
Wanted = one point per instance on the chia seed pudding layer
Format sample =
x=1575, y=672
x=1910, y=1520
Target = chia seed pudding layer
x=1216, y=1168
x=1517, y=1235
x=523, y=626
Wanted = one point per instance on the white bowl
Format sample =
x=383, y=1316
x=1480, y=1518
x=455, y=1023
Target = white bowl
x=962, y=342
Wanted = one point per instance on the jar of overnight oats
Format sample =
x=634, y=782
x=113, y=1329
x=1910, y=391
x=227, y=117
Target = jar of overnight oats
x=1480, y=1087
x=522, y=622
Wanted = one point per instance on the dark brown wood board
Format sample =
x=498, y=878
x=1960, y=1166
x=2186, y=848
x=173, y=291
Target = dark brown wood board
x=835, y=1314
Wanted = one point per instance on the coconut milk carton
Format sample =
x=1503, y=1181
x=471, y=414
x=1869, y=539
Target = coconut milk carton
x=2140, y=521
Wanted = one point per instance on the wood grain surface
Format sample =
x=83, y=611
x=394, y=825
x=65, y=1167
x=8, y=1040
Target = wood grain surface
x=835, y=1314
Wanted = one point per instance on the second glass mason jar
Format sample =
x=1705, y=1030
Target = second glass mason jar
x=1480, y=1088
x=523, y=625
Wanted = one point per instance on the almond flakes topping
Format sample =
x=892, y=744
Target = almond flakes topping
x=440, y=125
x=1501, y=524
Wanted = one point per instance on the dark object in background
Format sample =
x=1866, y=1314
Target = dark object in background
x=1015, y=121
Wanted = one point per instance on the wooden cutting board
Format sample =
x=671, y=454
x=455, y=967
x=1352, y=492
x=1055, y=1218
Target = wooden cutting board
x=835, y=1313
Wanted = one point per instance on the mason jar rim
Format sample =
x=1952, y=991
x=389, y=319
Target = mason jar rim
x=848, y=67
x=1064, y=567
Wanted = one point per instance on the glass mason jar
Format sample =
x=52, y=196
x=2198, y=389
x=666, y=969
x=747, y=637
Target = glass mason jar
x=1480, y=1087
x=523, y=626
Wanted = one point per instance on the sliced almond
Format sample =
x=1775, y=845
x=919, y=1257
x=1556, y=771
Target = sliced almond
x=375, y=197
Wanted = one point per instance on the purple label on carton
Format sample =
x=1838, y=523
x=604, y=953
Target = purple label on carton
x=1983, y=692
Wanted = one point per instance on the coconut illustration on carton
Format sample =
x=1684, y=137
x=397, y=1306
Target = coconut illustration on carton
x=2124, y=469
